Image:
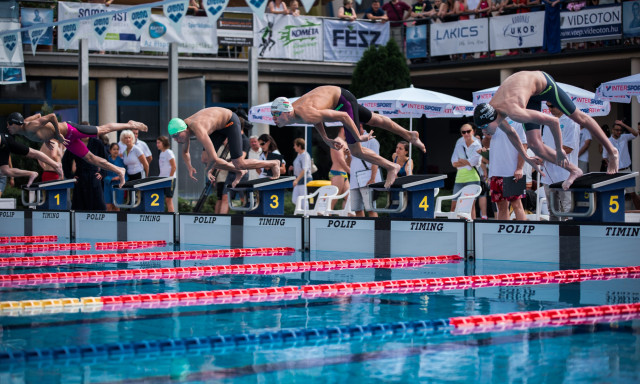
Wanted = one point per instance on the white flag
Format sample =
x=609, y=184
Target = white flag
x=140, y=19
x=67, y=33
x=10, y=42
x=257, y=6
x=175, y=12
x=35, y=34
x=100, y=25
x=214, y=9
x=307, y=4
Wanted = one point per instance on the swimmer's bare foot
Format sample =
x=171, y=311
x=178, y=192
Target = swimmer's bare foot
x=139, y=126
x=275, y=169
x=31, y=178
x=121, y=173
x=415, y=140
x=392, y=174
x=573, y=175
x=612, y=158
x=239, y=175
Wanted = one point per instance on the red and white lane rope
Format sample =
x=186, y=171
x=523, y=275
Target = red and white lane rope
x=39, y=248
x=130, y=244
x=28, y=239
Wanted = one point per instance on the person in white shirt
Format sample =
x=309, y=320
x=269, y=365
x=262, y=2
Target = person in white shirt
x=141, y=145
x=362, y=173
x=167, y=164
x=254, y=153
x=553, y=173
x=583, y=154
x=465, y=158
x=504, y=163
x=620, y=142
x=301, y=165
x=133, y=158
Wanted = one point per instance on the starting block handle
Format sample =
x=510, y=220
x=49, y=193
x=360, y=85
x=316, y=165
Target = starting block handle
x=590, y=211
x=402, y=203
x=133, y=198
x=253, y=201
x=40, y=198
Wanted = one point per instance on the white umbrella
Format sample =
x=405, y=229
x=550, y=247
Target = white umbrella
x=620, y=90
x=416, y=102
x=584, y=100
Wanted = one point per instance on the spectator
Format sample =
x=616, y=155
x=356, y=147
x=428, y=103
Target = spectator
x=295, y=8
x=54, y=150
x=133, y=158
x=583, y=154
x=278, y=7
x=114, y=158
x=465, y=158
x=376, y=13
x=167, y=165
x=340, y=160
x=506, y=164
x=461, y=9
x=362, y=174
x=401, y=156
x=144, y=148
x=88, y=193
x=483, y=172
x=553, y=173
x=346, y=12
x=301, y=166
x=397, y=10
x=483, y=8
x=422, y=10
x=551, y=37
x=254, y=153
x=270, y=152
x=620, y=141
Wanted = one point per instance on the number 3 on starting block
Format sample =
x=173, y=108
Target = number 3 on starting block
x=274, y=201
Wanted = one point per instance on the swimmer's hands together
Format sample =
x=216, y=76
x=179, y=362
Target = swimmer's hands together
x=561, y=158
x=333, y=144
x=58, y=138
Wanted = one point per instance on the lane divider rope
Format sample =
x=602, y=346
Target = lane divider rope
x=28, y=239
x=120, y=245
x=49, y=261
x=243, y=295
x=216, y=270
x=302, y=336
x=34, y=248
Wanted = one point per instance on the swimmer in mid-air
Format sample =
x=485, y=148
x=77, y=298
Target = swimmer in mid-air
x=211, y=126
x=520, y=97
x=326, y=104
x=46, y=128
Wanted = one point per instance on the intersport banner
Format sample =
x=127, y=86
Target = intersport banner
x=119, y=36
x=288, y=37
x=196, y=35
x=346, y=41
x=522, y=30
x=592, y=23
x=466, y=36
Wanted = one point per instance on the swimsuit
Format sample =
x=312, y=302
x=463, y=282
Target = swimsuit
x=402, y=171
x=231, y=131
x=333, y=173
x=553, y=94
x=348, y=103
x=75, y=132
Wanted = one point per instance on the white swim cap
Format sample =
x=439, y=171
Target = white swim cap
x=281, y=104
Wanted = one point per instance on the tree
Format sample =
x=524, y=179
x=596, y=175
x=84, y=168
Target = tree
x=380, y=69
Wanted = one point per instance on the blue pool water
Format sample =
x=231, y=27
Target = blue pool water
x=569, y=354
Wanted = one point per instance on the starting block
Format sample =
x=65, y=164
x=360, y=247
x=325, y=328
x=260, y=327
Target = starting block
x=262, y=196
x=145, y=195
x=51, y=195
x=409, y=196
x=596, y=196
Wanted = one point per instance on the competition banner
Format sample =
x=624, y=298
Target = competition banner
x=288, y=37
x=347, y=41
x=592, y=23
x=631, y=18
x=465, y=36
x=522, y=30
x=11, y=57
x=34, y=16
x=196, y=35
x=120, y=36
x=416, y=41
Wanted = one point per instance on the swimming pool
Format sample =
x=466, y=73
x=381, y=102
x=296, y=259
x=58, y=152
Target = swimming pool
x=160, y=344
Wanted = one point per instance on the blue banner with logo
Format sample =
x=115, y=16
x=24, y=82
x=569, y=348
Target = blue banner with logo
x=591, y=23
x=416, y=41
x=346, y=41
x=522, y=30
x=32, y=16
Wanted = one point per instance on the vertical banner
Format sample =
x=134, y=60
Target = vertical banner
x=416, y=41
x=197, y=35
x=214, y=9
x=11, y=58
x=175, y=12
x=120, y=37
x=465, y=36
x=67, y=33
x=139, y=19
x=34, y=16
x=591, y=23
x=257, y=7
x=347, y=41
x=631, y=18
x=288, y=37
x=522, y=30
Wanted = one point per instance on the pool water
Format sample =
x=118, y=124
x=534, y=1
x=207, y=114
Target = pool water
x=608, y=352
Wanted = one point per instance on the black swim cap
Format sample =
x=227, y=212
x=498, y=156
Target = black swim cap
x=484, y=114
x=15, y=118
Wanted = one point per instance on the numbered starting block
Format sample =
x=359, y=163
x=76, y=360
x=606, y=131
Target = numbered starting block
x=409, y=196
x=262, y=196
x=144, y=195
x=51, y=195
x=596, y=196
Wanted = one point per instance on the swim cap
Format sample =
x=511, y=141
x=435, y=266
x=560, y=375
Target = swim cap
x=281, y=104
x=484, y=114
x=176, y=125
x=15, y=118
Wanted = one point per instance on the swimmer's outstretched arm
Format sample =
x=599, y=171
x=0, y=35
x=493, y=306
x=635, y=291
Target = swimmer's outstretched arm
x=334, y=144
x=515, y=141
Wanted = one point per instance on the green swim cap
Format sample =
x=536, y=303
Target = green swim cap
x=176, y=125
